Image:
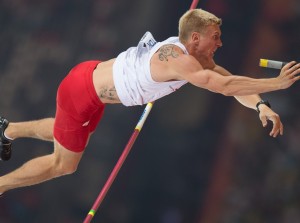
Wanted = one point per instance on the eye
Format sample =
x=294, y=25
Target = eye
x=216, y=37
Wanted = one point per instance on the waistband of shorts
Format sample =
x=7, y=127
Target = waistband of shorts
x=90, y=84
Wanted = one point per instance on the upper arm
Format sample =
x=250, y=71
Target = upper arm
x=175, y=65
x=191, y=70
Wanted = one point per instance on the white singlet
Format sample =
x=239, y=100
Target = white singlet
x=132, y=76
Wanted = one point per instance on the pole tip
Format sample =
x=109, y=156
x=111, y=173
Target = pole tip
x=263, y=62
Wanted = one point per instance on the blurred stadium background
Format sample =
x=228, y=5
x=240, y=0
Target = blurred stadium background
x=200, y=158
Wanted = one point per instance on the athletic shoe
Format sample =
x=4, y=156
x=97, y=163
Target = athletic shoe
x=5, y=143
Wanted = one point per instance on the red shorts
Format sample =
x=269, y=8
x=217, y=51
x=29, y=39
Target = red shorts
x=78, y=107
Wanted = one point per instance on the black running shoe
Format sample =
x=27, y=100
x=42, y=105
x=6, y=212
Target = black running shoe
x=5, y=143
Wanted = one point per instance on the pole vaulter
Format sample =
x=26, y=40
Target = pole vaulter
x=124, y=154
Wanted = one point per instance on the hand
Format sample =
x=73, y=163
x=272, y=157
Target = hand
x=266, y=114
x=288, y=74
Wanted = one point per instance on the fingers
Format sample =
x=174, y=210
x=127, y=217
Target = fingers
x=294, y=69
x=277, y=124
x=264, y=121
x=289, y=65
x=291, y=70
x=277, y=127
x=276, y=130
x=297, y=78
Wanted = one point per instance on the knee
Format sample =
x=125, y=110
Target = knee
x=66, y=168
x=65, y=161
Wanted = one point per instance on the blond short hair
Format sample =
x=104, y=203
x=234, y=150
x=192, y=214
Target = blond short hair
x=195, y=20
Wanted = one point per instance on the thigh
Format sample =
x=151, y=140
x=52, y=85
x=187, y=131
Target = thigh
x=69, y=132
x=95, y=119
x=78, y=108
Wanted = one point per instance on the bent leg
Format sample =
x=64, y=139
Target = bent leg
x=39, y=129
x=61, y=162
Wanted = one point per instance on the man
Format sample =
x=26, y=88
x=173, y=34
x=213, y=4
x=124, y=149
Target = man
x=137, y=76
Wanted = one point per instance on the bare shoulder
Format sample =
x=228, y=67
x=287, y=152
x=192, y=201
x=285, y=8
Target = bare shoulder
x=169, y=51
x=170, y=62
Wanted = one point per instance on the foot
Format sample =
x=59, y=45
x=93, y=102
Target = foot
x=5, y=143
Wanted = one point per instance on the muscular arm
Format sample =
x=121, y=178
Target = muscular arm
x=233, y=85
x=248, y=101
x=265, y=114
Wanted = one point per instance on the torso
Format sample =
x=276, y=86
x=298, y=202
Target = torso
x=104, y=84
x=160, y=71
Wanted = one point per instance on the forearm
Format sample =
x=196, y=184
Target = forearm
x=241, y=86
x=249, y=101
x=234, y=85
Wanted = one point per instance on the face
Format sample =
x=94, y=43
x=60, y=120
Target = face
x=206, y=44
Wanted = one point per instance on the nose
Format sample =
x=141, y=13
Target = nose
x=219, y=44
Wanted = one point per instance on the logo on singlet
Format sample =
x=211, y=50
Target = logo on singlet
x=151, y=42
x=148, y=40
x=86, y=123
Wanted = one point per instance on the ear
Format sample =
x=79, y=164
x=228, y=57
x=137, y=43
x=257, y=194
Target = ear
x=195, y=37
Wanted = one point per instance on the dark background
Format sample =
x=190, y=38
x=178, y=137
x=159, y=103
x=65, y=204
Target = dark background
x=200, y=158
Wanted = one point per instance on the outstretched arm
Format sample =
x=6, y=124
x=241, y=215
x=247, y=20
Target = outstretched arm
x=265, y=114
x=233, y=85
